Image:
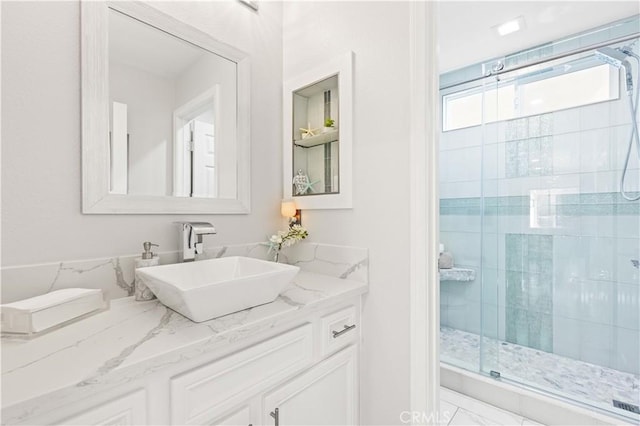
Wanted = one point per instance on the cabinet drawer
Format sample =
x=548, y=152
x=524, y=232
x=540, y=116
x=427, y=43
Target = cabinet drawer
x=204, y=393
x=339, y=329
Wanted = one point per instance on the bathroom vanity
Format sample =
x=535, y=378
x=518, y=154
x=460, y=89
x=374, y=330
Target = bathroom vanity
x=293, y=361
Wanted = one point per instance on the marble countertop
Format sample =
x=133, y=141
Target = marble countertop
x=133, y=339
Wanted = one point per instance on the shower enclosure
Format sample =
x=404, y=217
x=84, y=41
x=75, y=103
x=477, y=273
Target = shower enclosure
x=545, y=290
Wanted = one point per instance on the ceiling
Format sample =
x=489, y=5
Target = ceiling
x=130, y=41
x=465, y=35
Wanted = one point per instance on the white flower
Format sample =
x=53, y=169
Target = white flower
x=287, y=238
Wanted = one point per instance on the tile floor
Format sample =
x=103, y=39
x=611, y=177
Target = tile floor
x=457, y=410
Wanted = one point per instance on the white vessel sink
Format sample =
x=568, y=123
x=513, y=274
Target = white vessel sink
x=211, y=288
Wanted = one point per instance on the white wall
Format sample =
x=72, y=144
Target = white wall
x=149, y=98
x=205, y=74
x=378, y=33
x=41, y=179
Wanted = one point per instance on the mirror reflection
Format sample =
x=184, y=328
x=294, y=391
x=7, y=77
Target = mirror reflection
x=316, y=138
x=173, y=114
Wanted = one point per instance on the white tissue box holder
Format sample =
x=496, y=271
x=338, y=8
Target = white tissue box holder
x=47, y=312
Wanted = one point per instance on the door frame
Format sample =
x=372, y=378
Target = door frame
x=424, y=215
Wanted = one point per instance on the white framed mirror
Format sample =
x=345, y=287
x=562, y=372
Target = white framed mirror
x=318, y=135
x=165, y=115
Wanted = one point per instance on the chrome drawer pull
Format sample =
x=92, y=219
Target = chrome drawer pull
x=276, y=416
x=341, y=332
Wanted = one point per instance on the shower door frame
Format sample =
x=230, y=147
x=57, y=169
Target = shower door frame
x=481, y=83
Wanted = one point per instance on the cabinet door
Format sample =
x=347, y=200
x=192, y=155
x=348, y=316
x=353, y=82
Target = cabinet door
x=327, y=394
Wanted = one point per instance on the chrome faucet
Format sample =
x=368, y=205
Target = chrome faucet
x=190, y=235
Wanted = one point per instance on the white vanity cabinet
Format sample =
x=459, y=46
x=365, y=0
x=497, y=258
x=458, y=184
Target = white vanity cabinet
x=294, y=378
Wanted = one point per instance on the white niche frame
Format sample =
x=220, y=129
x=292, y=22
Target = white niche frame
x=342, y=66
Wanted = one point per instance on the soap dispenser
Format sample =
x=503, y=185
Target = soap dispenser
x=141, y=291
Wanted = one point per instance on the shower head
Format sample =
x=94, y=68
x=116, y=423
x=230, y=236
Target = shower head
x=617, y=59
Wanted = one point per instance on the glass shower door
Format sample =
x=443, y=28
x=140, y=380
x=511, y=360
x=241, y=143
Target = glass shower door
x=561, y=240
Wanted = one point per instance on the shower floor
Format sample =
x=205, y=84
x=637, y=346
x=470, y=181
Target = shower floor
x=568, y=377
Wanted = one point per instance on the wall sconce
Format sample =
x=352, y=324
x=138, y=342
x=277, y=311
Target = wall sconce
x=288, y=209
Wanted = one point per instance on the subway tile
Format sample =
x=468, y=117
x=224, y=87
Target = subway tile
x=565, y=147
x=490, y=161
x=464, y=246
x=490, y=254
x=627, y=250
x=490, y=321
x=597, y=301
x=598, y=226
x=627, y=226
x=594, y=116
x=566, y=336
x=461, y=138
x=501, y=131
x=460, y=189
x=600, y=253
x=511, y=159
x=546, y=125
x=596, y=343
x=627, y=306
x=517, y=129
x=464, y=164
x=566, y=121
x=632, y=182
x=619, y=137
x=517, y=327
x=522, y=157
x=625, y=355
x=536, y=158
x=501, y=160
x=595, y=150
x=535, y=126
x=599, y=182
x=546, y=152
x=461, y=223
x=460, y=293
x=443, y=169
x=457, y=317
x=619, y=111
x=490, y=286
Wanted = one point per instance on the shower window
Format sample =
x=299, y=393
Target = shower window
x=547, y=90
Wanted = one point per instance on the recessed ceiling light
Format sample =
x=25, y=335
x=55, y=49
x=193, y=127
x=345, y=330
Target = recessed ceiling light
x=510, y=26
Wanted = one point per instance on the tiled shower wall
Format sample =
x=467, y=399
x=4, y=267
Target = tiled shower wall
x=535, y=210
